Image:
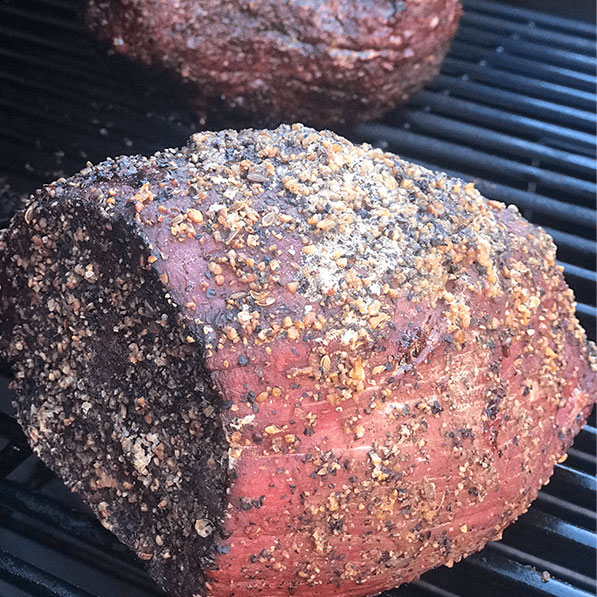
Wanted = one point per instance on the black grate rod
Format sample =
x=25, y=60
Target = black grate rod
x=78, y=525
x=508, y=11
x=565, y=240
x=11, y=457
x=586, y=440
x=585, y=462
x=550, y=72
x=581, y=480
x=516, y=102
x=527, y=580
x=98, y=81
x=554, y=92
x=69, y=25
x=528, y=49
x=79, y=130
x=441, y=126
x=587, y=315
x=68, y=5
x=506, y=26
x=84, y=53
x=39, y=583
x=562, y=572
x=546, y=132
x=552, y=504
x=104, y=561
x=431, y=588
x=576, y=486
x=83, y=97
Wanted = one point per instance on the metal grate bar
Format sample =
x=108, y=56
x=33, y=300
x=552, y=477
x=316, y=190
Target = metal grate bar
x=43, y=156
x=101, y=560
x=554, y=92
x=573, y=485
x=490, y=572
x=583, y=517
x=46, y=20
x=587, y=463
x=98, y=80
x=587, y=439
x=587, y=315
x=88, y=129
x=505, y=26
x=71, y=143
x=507, y=11
x=16, y=450
x=35, y=42
x=516, y=102
x=571, y=242
x=81, y=97
x=65, y=5
x=29, y=578
x=548, y=72
x=580, y=273
x=506, y=120
x=581, y=480
x=582, y=280
x=585, y=582
x=10, y=457
x=523, y=579
x=428, y=589
x=45, y=510
x=74, y=136
x=514, y=146
x=528, y=49
x=563, y=534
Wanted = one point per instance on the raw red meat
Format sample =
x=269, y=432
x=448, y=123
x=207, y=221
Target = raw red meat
x=277, y=363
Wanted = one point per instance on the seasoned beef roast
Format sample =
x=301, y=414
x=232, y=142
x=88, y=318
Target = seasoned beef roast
x=316, y=61
x=277, y=363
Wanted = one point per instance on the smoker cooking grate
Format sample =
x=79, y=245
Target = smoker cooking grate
x=514, y=110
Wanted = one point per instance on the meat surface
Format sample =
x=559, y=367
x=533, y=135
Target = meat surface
x=277, y=363
x=314, y=61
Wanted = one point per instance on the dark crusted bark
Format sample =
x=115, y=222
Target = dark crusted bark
x=111, y=393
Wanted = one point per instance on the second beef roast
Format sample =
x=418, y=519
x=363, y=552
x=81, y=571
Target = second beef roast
x=316, y=61
x=274, y=362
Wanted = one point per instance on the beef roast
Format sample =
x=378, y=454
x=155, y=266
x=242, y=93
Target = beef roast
x=317, y=61
x=275, y=362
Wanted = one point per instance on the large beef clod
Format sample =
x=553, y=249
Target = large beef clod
x=273, y=362
x=316, y=61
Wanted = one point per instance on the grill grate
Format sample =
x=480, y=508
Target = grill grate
x=514, y=110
